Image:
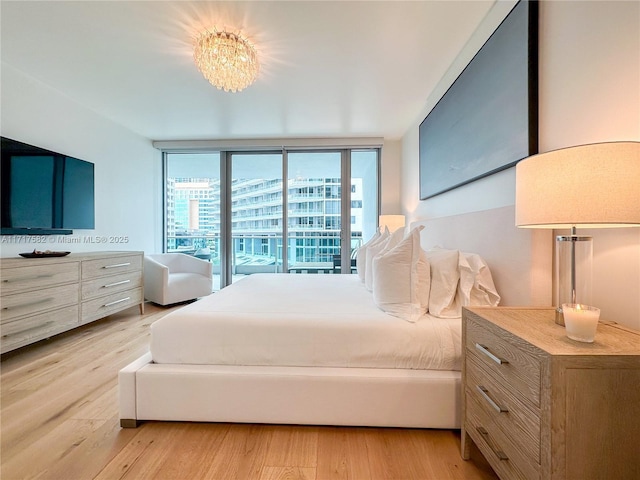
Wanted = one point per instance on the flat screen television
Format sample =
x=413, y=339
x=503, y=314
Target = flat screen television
x=44, y=192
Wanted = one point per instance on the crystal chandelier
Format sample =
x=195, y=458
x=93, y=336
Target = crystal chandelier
x=227, y=60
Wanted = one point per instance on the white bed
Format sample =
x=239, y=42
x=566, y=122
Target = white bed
x=302, y=321
x=326, y=354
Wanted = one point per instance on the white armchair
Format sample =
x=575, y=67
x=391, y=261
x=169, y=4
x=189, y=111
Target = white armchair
x=176, y=277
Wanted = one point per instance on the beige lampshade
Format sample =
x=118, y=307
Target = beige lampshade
x=587, y=186
x=392, y=222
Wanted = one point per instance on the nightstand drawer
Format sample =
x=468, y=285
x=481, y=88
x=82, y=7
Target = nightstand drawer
x=112, y=284
x=505, y=457
x=520, y=424
x=111, y=266
x=507, y=363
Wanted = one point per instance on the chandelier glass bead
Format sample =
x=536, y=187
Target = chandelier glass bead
x=228, y=61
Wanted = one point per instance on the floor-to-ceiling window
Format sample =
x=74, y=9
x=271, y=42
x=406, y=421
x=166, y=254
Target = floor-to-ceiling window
x=314, y=201
x=256, y=213
x=295, y=211
x=192, y=206
x=365, y=193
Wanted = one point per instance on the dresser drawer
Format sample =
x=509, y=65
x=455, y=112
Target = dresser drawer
x=112, y=284
x=505, y=457
x=102, y=267
x=29, y=303
x=23, y=331
x=519, y=423
x=33, y=277
x=506, y=362
x=103, y=306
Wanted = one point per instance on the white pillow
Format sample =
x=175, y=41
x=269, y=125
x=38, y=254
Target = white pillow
x=443, y=301
x=361, y=257
x=397, y=279
x=424, y=280
x=424, y=273
x=476, y=283
x=374, y=249
x=396, y=237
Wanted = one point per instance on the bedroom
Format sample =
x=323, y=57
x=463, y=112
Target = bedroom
x=589, y=70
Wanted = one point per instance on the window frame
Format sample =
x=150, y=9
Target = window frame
x=345, y=189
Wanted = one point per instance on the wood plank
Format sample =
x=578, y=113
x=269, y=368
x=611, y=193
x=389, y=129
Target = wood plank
x=167, y=450
x=293, y=446
x=54, y=446
x=242, y=452
x=342, y=453
x=392, y=455
x=438, y=451
x=288, y=473
x=88, y=458
x=144, y=455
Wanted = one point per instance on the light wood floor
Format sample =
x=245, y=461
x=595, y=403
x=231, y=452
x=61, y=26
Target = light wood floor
x=59, y=420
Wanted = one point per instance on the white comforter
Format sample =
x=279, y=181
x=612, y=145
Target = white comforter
x=302, y=320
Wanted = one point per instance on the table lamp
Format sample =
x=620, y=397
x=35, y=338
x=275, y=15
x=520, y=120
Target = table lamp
x=586, y=186
x=392, y=222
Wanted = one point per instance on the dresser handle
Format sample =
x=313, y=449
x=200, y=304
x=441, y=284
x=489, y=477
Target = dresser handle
x=117, y=265
x=22, y=279
x=499, y=453
x=116, y=301
x=485, y=393
x=116, y=283
x=28, y=304
x=485, y=350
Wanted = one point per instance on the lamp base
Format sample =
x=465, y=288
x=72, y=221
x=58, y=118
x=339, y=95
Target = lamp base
x=573, y=271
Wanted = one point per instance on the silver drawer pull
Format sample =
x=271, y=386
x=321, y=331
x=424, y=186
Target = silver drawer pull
x=485, y=350
x=116, y=301
x=485, y=393
x=116, y=283
x=499, y=453
x=118, y=265
x=23, y=279
x=28, y=304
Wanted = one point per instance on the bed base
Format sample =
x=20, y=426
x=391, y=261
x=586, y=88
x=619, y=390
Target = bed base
x=289, y=395
x=520, y=261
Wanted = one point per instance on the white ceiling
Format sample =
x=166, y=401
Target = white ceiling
x=328, y=68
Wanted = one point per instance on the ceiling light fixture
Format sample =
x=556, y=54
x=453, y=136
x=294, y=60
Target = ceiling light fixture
x=227, y=60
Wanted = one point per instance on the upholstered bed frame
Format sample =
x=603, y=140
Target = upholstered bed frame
x=520, y=262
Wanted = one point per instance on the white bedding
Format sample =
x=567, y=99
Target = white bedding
x=302, y=320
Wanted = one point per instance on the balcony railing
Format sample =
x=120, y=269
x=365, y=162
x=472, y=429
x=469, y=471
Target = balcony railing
x=318, y=255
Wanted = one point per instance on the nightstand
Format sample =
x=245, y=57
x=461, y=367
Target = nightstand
x=539, y=405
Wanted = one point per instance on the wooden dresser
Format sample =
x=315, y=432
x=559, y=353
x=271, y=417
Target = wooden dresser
x=42, y=297
x=542, y=406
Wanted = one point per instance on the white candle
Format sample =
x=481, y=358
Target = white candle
x=581, y=321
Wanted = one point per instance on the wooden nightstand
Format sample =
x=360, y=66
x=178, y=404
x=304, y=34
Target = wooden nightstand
x=542, y=406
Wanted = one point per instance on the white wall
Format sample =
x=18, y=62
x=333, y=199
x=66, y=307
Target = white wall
x=589, y=72
x=390, y=167
x=127, y=168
